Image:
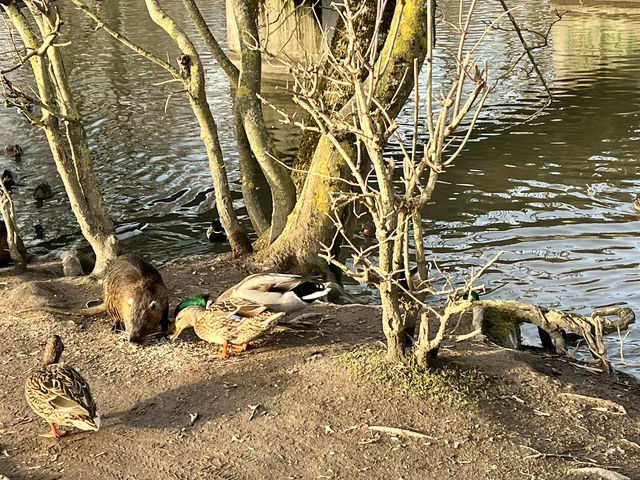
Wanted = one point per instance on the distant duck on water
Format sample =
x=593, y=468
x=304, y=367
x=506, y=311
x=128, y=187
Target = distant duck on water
x=42, y=192
x=10, y=179
x=636, y=203
x=13, y=150
x=215, y=232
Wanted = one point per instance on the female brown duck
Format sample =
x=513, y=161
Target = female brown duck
x=59, y=394
x=224, y=323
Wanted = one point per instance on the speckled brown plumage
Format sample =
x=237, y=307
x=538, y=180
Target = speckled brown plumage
x=227, y=322
x=59, y=394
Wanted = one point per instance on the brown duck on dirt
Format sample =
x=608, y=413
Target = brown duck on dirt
x=226, y=322
x=59, y=394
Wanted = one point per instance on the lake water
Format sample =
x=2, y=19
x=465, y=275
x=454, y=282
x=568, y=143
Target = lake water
x=555, y=193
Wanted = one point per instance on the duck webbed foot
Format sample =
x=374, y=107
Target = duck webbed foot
x=54, y=433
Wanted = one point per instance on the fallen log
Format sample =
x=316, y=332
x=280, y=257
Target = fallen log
x=591, y=327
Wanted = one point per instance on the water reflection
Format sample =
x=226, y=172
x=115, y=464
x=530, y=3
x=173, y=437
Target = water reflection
x=554, y=193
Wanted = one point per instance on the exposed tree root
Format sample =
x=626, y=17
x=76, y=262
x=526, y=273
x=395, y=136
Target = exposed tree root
x=591, y=327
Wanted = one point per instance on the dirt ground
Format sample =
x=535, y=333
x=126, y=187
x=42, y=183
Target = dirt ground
x=289, y=407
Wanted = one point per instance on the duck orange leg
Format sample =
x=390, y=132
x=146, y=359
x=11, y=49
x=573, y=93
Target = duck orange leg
x=239, y=348
x=223, y=353
x=54, y=433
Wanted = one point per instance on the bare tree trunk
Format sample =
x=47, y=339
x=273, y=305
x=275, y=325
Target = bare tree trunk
x=253, y=181
x=283, y=192
x=310, y=225
x=192, y=75
x=17, y=251
x=65, y=133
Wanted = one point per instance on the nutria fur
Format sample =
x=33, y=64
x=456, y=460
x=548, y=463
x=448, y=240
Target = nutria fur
x=135, y=297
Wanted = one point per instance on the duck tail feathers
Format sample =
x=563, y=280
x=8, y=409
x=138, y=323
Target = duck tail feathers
x=315, y=295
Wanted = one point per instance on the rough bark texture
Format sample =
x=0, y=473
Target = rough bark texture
x=309, y=224
x=192, y=75
x=337, y=95
x=590, y=327
x=67, y=138
x=254, y=185
x=283, y=192
x=9, y=236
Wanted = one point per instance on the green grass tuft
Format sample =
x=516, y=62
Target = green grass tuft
x=454, y=383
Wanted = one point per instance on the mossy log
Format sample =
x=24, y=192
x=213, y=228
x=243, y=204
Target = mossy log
x=591, y=327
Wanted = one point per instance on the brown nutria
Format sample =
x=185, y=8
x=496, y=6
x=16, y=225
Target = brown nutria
x=135, y=297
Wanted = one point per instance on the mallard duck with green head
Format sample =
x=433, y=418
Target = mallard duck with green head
x=59, y=394
x=279, y=292
x=215, y=232
x=227, y=322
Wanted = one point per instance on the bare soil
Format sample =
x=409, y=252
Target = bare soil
x=289, y=407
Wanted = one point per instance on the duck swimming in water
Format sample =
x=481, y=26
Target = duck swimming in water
x=10, y=180
x=215, y=232
x=636, y=203
x=42, y=192
x=13, y=150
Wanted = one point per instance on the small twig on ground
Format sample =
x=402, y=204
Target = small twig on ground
x=619, y=409
x=254, y=409
x=192, y=418
x=539, y=454
x=399, y=431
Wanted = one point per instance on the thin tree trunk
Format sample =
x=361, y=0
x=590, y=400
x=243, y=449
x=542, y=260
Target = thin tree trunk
x=254, y=185
x=17, y=250
x=283, y=192
x=192, y=75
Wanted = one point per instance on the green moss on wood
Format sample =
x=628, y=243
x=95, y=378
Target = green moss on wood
x=500, y=324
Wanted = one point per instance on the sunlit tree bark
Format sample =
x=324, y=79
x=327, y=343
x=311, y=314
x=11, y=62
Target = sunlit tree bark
x=253, y=182
x=62, y=124
x=283, y=192
x=190, y=73
x=9, y=231
x=310, y=224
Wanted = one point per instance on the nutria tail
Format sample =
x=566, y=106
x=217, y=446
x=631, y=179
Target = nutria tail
x=78, y=312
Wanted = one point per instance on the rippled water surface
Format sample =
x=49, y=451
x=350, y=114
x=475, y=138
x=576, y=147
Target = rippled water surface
x=554, y=193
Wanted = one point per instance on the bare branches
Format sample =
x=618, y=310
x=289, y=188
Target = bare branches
x=101, y=24
x=47, y=41
x=394, y=208
x=527, y=49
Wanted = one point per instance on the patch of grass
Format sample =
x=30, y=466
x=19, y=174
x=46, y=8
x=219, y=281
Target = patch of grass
x=455, y=383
